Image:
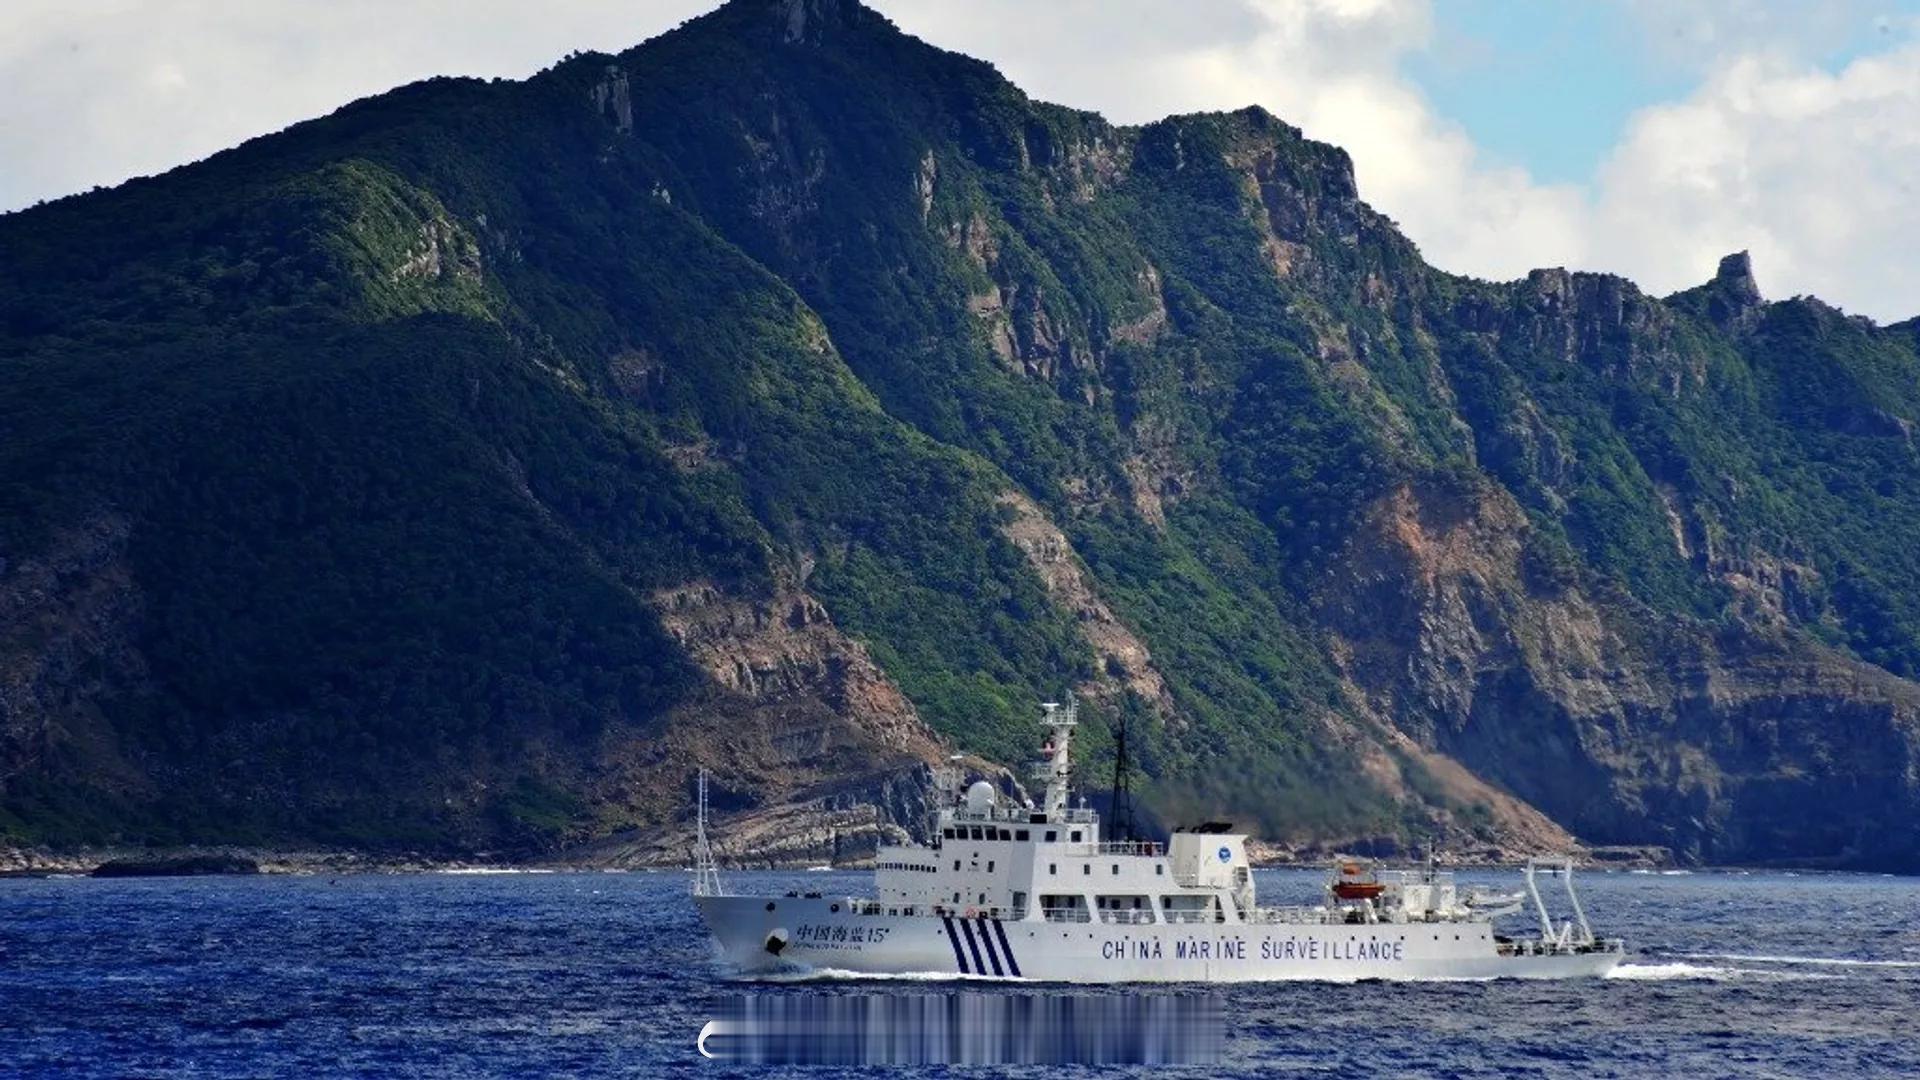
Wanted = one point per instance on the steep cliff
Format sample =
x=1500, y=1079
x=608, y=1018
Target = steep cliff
x=788, y=397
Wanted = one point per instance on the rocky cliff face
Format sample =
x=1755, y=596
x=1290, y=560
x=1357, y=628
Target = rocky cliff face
x=792, y=399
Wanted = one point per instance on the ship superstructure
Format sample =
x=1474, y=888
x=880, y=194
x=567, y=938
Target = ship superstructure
x=1035, y=891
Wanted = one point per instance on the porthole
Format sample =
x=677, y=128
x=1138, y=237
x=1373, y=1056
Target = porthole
x=769, y=905
x=835, y=908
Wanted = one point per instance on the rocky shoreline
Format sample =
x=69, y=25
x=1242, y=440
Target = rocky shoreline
x=222, y=860
x=197, y=861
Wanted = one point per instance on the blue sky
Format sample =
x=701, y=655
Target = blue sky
x=1639, y=137
x=1551, y=85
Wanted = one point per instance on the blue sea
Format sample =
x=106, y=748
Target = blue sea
x=610, y=974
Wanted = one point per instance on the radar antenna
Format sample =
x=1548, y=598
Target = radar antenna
x=706, y=875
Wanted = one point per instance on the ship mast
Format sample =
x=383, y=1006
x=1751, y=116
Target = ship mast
x=1057, y=766
x=706, y=875
x=1122, y=796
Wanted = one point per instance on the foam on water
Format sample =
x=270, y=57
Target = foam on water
x=1674, y=970
x=1680, y=969
x=1828, y=961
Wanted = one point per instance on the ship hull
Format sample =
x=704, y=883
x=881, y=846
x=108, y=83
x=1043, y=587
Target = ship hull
x=769, y=934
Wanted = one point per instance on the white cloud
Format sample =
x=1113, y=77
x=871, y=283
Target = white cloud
x=1813, y=171
x=1807, y=168
x=93, y=92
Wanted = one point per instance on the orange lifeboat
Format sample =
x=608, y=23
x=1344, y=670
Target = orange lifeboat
x=1356, y=882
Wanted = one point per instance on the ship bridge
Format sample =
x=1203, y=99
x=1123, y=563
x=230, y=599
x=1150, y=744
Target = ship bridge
x=1049, y=863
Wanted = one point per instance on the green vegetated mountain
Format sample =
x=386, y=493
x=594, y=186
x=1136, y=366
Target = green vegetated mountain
x=788, y=396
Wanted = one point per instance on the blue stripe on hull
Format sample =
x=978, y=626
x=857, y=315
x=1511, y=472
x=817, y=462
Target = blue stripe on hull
x=954, y=940
x=1006, y=947
x=978, y=967
x=993, y=958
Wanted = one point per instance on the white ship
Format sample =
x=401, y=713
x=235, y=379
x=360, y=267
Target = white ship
x=1033, y=892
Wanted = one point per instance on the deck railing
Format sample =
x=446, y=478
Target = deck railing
x=1125, y=847
x=1190, y=916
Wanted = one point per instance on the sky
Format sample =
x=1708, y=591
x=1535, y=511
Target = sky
x=1640, y=137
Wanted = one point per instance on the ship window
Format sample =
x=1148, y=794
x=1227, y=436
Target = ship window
x=989, y=866
x=948, y=833
x=1052, y=836
x=956, y=898
x=1074, y=836
x=1160, y=869
x=975, y=832
x=1053, y=868
x=956, y=864
x=1085, y=869
x=1021, y=836
x=1116, y=869
x=983, y=898
x=1005, y=835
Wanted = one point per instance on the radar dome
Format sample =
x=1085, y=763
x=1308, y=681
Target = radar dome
x=979, y=797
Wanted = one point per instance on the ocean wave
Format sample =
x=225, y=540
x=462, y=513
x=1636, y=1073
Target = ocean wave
x=1682, y=970
x=1826, y=961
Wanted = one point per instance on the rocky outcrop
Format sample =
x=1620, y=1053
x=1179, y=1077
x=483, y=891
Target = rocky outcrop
x=1734, y=294
x=1727, y=747
x=1295, y=207
x=612, y=100
x=784, y=646
x=815, y=753
x=1122, y=661
x=440, y=249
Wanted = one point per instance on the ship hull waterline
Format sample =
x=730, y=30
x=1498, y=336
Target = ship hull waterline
x=826, y=934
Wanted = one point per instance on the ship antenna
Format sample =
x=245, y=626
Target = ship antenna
x=706, y=876
x=1122, y=795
